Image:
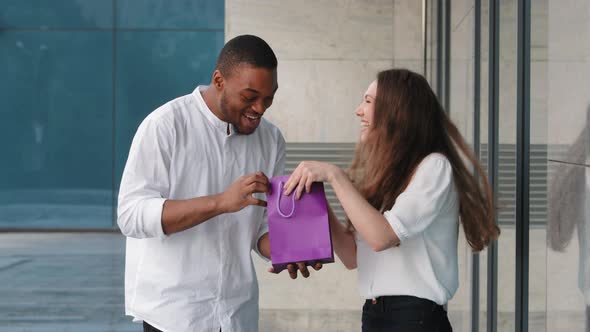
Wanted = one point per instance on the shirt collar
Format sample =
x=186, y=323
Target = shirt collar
x=209, y=115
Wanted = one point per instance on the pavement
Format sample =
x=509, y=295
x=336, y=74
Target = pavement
x=74, y=282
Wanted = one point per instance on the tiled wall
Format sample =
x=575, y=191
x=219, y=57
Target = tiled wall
x=77, y=79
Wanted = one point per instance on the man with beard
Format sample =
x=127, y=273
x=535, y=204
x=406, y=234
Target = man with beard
x=189, y=201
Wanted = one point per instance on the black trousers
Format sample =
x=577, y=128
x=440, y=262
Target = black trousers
x=148, y=328
x=404, y=314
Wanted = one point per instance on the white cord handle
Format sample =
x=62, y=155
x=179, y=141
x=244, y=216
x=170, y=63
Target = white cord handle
x=279, y=202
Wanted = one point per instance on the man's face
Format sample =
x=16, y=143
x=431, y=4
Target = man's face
x=246, y=94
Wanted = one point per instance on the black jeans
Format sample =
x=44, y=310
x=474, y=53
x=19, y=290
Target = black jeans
x=404, y=314
x=148, y=328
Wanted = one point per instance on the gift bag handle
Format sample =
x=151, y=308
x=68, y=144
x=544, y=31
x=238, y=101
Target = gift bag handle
x=279, y=202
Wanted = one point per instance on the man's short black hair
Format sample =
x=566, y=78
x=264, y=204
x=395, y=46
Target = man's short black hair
x=245, y=49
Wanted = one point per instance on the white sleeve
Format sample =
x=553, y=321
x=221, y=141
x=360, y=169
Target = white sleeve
x=424, y=198
x=145, y=183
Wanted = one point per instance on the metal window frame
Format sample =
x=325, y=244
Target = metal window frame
x=446, y=101
x=443, y=53
x=475, y=275
x=424, y=37
x=522, y=164
x=493, y=155
x=523, y=147
x=439, y=50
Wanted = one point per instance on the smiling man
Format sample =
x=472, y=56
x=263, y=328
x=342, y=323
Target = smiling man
x=186, y=199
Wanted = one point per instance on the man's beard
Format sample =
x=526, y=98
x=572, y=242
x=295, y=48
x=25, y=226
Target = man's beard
x=225, y=112
x=224, y=109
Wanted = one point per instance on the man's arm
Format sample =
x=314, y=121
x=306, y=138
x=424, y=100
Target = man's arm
x=264, y=245
x=144, y=211
x=145, y=182
x=180, y=215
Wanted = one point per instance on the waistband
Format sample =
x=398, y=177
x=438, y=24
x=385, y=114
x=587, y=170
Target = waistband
x=404, y=302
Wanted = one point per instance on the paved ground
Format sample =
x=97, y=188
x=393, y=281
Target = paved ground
x=74, y=282
x=62, y=282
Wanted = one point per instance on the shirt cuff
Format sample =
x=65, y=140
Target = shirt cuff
x=153, y=214
x=398, y=228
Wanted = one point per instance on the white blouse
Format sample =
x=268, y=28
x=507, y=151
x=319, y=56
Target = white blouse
x=425, y=217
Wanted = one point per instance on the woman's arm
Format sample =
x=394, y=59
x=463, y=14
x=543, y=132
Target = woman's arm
x=343, y=241
x=367, y=220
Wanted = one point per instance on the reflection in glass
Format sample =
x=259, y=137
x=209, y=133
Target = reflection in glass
x=56, y=137
x=62, y=14
x=563, y=29
x=165, y=14
x=569, y=208
x=461, y=112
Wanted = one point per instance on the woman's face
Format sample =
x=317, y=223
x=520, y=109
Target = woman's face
x=366, y=110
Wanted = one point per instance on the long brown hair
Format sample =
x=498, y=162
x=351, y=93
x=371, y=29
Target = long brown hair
x=409, y=124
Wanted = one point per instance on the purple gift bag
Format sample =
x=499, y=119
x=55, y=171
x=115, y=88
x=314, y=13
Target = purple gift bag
x=299, y=230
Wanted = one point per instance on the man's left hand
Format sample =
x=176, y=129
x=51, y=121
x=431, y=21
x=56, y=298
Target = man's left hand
x=292, y=269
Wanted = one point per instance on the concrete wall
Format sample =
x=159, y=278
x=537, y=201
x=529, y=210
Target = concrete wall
x=329, y=52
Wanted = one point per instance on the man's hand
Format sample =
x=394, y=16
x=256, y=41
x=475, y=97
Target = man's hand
x=239, y=194
x=301, y=267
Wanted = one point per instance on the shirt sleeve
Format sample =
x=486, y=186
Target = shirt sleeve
x=279, y=169
x=145, y=183
x=425, y=197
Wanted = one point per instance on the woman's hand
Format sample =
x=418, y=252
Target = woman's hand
x=307, y=173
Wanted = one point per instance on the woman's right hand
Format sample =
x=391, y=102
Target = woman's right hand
x=307, y=173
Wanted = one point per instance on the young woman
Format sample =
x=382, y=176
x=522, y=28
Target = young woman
x=409, y=186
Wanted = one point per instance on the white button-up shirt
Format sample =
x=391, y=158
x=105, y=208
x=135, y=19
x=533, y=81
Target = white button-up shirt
x=201, y=279
x=425, y=217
